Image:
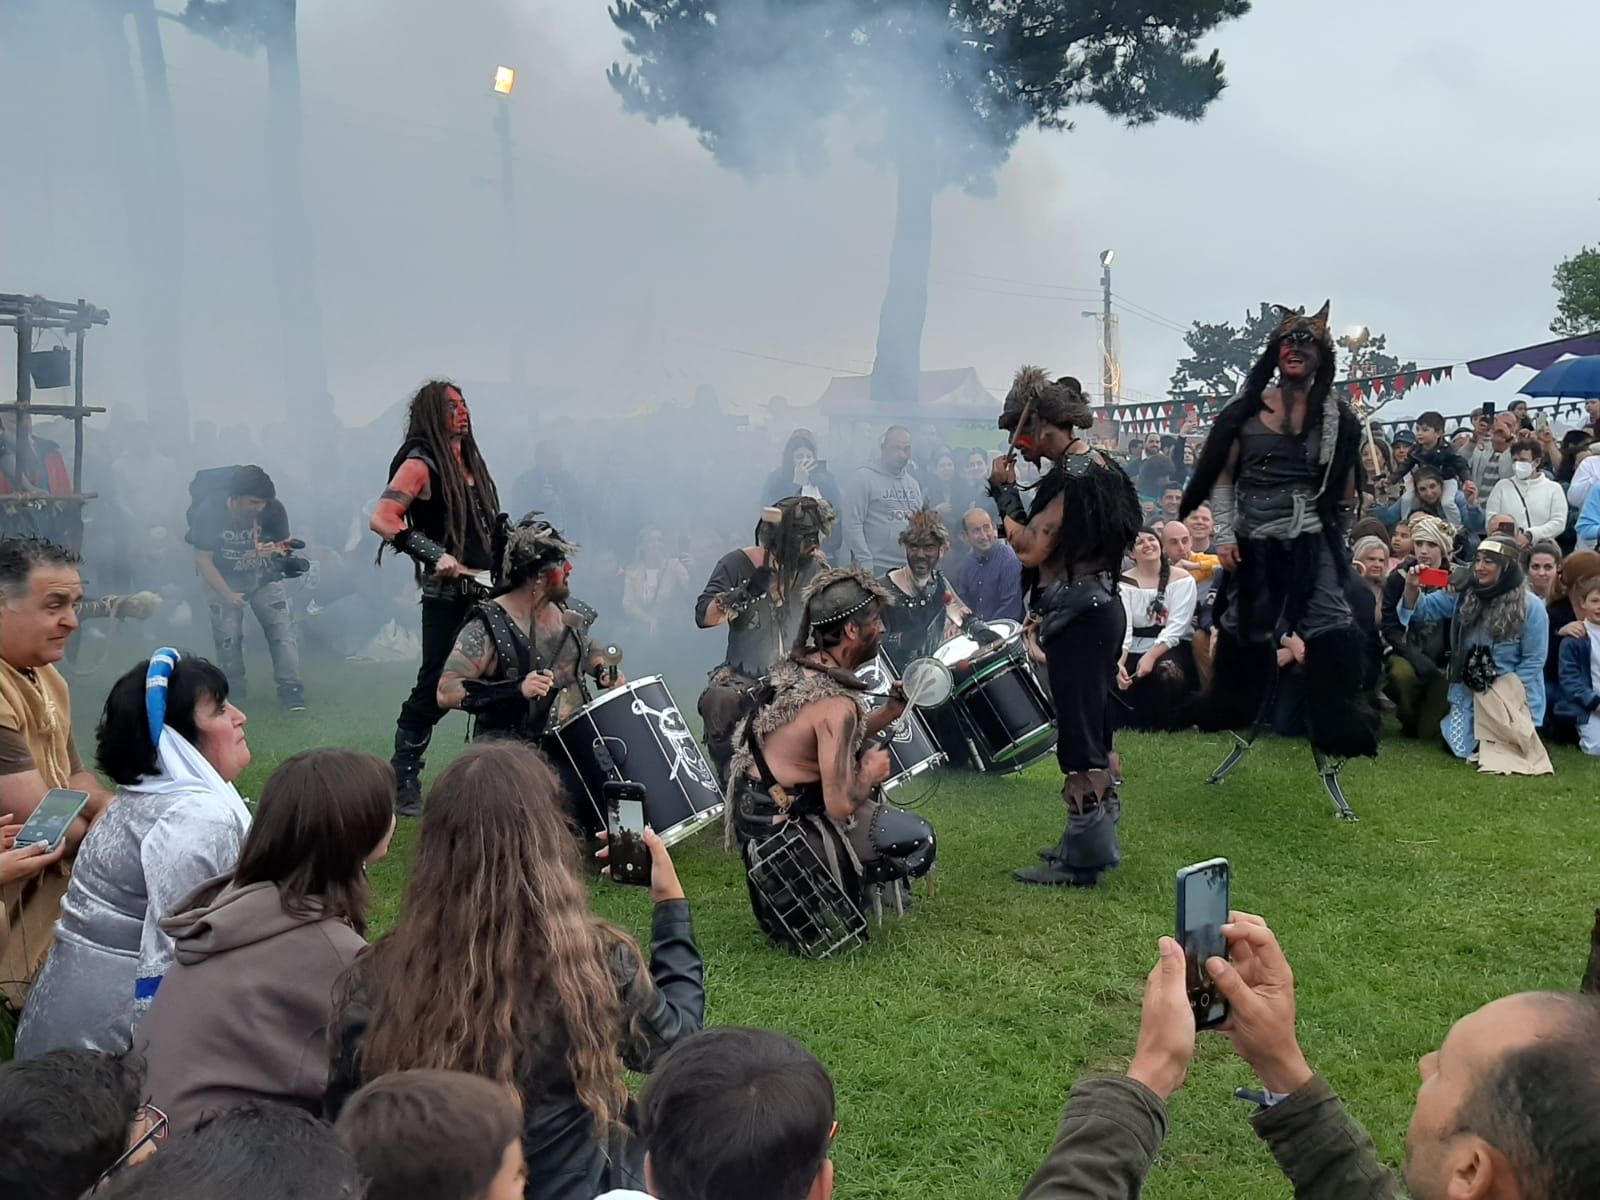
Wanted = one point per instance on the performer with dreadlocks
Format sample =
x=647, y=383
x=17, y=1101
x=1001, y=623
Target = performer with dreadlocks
x=441, y=508
x=805, y=754
x=1071, y=543
x=1279, y=470
x=757, y=593
x=926, y=608
x=518, y=661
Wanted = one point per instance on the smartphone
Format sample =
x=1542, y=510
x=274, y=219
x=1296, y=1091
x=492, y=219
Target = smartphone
x=1202, y=912
x=1488, y=409
x=629, y=859
x=1434, y=577
x=50, y=821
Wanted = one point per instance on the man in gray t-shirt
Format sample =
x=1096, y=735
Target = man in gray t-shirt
x=879, y=502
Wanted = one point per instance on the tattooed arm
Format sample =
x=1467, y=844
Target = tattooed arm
x=472, y=657
x=846, y=783
x=410, y=483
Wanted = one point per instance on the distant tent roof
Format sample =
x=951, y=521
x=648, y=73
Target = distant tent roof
x=955, y=394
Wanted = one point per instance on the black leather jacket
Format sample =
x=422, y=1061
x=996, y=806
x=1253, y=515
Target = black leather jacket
x=565, y=1160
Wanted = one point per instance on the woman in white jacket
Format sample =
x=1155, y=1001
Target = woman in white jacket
x=175, y=745
x=1157, y=664
x=1530, y=498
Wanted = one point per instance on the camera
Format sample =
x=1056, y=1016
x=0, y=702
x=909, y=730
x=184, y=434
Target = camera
x=288, y=566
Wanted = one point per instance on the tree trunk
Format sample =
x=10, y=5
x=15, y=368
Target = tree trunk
x=154, y=324
x=897, y=370
x=163, y=192
x=289, y=224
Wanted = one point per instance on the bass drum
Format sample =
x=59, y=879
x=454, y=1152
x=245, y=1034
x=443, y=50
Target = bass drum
x=997, y=708
x=636, y=733
x=911, y=748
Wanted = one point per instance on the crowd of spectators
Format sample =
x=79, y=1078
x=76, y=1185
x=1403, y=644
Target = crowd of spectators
x=211, y=1020
x=1434, y=497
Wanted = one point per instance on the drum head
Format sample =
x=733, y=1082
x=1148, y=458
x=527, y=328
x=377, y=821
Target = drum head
x=961, y=648
x=927, y=683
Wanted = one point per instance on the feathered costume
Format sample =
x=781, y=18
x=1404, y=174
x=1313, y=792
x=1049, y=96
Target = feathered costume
x=1286, y=500
x=1080, y=620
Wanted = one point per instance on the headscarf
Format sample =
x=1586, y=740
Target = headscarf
x=1500, y=603
x=1435, y=532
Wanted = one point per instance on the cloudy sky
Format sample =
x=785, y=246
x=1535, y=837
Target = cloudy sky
x=1424, y=164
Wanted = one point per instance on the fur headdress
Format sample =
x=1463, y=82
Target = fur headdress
x=925, y=528
x=532, y=545
x=835, y=596
x=1034, y=395
x=1291, y=319
x=793, y=519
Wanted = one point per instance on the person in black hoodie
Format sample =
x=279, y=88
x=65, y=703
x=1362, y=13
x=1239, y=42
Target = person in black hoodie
x=498, y=967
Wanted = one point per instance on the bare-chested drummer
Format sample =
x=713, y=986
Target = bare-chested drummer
x=806, y=754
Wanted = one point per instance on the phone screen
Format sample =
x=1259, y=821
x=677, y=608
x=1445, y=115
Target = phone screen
x=49, y=822
x=1202, y=912
x=629, y=857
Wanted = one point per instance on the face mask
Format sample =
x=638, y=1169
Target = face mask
x=1522, y=470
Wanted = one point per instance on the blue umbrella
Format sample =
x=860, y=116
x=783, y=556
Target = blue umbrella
x=1578, y=378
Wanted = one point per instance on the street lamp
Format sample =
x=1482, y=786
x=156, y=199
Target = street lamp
x=1106, y=256
x=505, y=79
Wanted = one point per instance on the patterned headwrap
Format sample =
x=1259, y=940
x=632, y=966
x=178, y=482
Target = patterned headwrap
x=1433, y=531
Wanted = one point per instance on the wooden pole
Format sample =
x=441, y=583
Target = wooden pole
x=77, y=420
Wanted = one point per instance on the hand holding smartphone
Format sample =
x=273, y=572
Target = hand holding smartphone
x=628, y=858
x=1202, y=912
x=1433, y=577
x=51, y=820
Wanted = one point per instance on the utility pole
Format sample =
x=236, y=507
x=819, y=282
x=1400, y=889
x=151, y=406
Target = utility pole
x=1110, y=373
x=505, y=79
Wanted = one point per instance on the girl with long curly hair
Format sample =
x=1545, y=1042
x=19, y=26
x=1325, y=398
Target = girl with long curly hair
x=497, y=967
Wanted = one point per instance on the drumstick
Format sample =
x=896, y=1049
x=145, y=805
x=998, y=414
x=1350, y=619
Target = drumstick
x=1027, y=407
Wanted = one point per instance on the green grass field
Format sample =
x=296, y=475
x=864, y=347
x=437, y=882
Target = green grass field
x=955, y=1035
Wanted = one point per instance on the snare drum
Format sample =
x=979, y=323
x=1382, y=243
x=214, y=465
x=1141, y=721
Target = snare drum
x=912, y=749
x=1003, y=714
x=636, y=733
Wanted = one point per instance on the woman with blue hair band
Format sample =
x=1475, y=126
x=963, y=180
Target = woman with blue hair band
x=174, y=744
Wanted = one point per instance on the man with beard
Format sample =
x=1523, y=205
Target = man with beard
x=517, y=662
x=1084, y=518
x=441, y=509
x=1279, y=470
x=757, y=592
x=806, y=753
x=925, y=608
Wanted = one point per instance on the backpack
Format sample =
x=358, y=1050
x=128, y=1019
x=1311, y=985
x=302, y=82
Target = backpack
x=208, y=492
